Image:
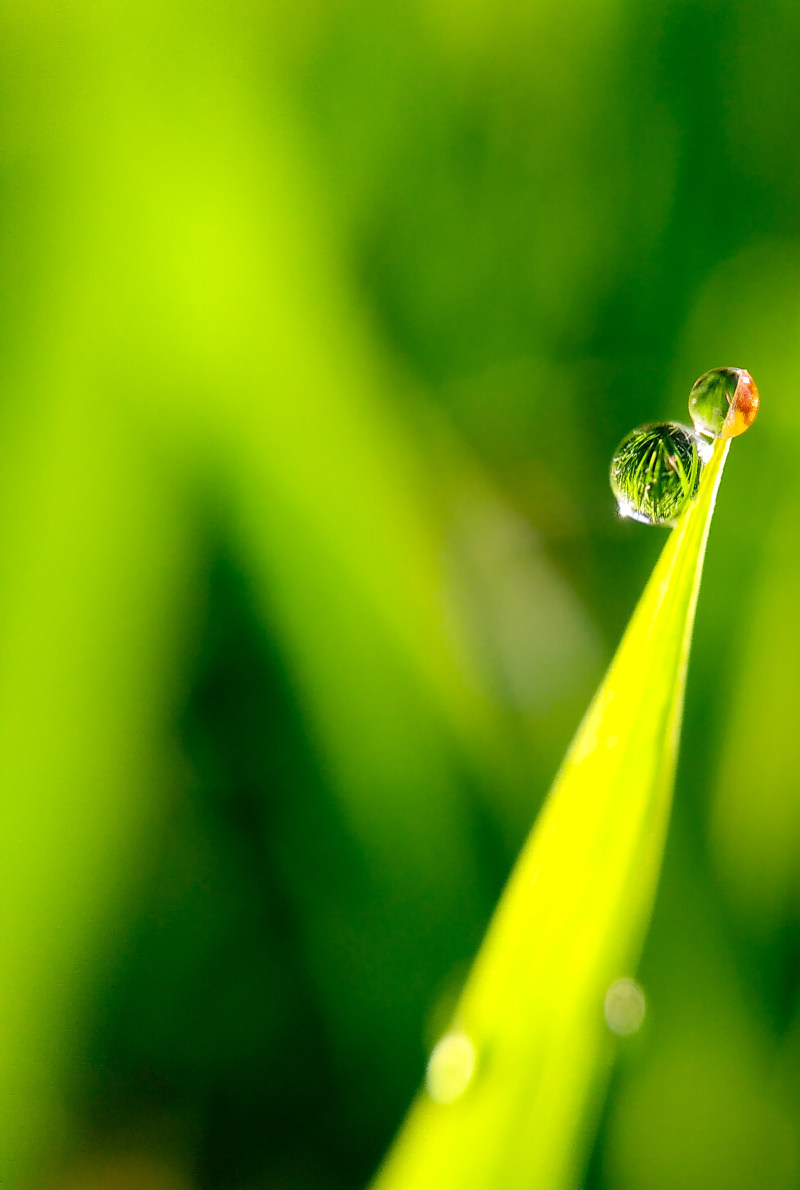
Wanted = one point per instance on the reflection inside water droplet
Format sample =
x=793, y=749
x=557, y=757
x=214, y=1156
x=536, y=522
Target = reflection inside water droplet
x=655, y=472
x=723, y=402
x=450, y=1067
x=624, y=1007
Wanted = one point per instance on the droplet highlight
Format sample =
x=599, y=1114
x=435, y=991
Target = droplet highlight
x=450, y=1067
x=624, y=1007
x=655, y=472
x=723, y=402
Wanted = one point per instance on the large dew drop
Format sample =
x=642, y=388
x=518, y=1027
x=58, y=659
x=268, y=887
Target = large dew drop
x=723, y=403
x=655, y=472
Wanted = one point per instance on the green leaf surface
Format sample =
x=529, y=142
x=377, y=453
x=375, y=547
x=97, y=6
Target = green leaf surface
x=522, y=1067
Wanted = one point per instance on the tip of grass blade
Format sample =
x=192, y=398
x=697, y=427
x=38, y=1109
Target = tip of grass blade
x=572, y=918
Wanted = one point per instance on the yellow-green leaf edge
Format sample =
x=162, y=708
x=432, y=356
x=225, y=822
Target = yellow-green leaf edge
x=573, y=915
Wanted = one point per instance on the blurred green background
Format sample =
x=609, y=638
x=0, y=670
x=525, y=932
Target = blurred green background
x=318, y=326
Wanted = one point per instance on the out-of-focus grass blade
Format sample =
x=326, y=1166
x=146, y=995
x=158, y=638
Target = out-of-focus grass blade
x=517, y=1075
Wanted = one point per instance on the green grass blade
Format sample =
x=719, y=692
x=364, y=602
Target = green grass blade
x=572, y=918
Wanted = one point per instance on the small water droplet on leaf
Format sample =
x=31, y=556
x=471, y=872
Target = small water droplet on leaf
x=624, y=1007
x=450, y=1067
x=723, y=402
x=655, y=472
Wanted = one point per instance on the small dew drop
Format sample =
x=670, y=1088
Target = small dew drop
x=723, y=402
x=655, y=472
x=624, y=1007
x=450, y=1067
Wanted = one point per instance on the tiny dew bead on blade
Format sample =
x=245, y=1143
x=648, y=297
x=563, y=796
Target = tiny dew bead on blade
x=723, y=402
x=655, y=472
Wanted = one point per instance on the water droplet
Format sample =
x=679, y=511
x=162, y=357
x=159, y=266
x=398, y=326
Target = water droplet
x=655, y=472
x=723, y=403
x=624, y=1007
x=450, y=1067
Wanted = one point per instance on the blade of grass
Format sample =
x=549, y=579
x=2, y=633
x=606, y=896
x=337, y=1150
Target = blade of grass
x=524, y=1061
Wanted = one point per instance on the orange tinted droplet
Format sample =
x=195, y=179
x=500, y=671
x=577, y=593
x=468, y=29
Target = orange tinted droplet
x=744, y=407
x=723, y=403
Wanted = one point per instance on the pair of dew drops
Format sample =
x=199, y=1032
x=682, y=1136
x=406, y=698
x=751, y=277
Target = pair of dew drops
x=454, y=1059
x=655, y=471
